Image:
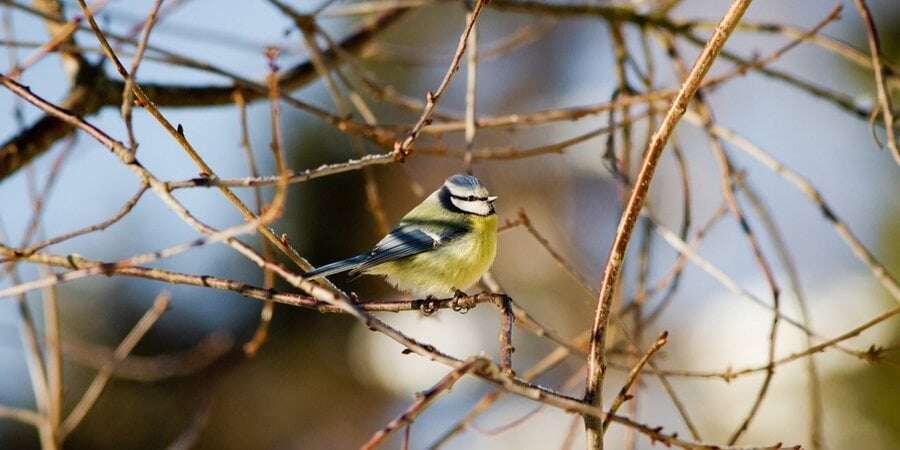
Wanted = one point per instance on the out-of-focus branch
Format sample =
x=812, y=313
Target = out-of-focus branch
x=92, y=91
x=86, y=96
x=884, y=95
x=83, y=99
x=172, y=95
x=72, y=61
x=816, y=423
x=22, y=415
x=596, y=359
x=155, y=368
x=685, y=30
x=423, y=401
x=322, y=297
x=879, y=271
x=402, y=148
x=728, y=179
x=98, y=384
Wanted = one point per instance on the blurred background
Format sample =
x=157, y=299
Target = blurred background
x=323, y=381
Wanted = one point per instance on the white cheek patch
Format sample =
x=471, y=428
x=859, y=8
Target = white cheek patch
x=480, y=207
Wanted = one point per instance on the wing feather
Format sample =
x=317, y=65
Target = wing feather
x=405, y=241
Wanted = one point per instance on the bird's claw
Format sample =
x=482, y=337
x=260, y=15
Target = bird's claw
x=461, y=302
x=429, y=307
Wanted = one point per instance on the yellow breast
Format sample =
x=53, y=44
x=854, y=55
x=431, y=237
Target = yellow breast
x=456, y=265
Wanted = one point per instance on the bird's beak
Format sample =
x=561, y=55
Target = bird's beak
x=491, y=198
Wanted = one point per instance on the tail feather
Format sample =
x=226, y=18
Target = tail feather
x=336, y=267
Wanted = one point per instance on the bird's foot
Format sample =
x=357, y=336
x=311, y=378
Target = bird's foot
x=461, y=302
x=429, y=306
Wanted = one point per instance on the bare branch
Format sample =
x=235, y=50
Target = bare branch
x=884, y=96
x=623, y=396
x=424, y=400
x=403, y=148
x=96, y=387
x=96, y=91
x=596, y=361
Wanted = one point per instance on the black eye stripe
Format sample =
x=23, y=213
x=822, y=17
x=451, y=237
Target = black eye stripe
x=470, y=198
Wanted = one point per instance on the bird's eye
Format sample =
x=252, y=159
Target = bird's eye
x=471, y=198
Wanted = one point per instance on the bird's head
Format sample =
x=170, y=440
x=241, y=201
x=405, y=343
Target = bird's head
x=466, y=194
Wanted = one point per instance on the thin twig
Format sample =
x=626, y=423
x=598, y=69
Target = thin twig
x=506, y=346
x=879, y=271
x=151, y=369
x=34, y=361
x=37, y=372
x=267, y=311
x=549, y=361
x=178, y=135
x=623, y=396
x=124, y=210
x=884, y=96
x=54, y=362
x=814, y=388
x=305, y=301
x=571, y=433
x=188, y=437
x=423, y=401
x=597, y=360
x=727, y=178
x=403, y=148
x=22, y=415
x=568, y=384
x=98, y=384
x=308, y=27
x=227, y=235
x=471, y=93
x=127, y=94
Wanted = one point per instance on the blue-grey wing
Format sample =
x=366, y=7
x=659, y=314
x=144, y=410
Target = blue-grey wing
x=405, y=241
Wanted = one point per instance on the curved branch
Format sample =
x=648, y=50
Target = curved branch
x=93, y=90
x=84, y=99
x=173, y=95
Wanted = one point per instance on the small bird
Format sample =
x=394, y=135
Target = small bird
x=441, y=247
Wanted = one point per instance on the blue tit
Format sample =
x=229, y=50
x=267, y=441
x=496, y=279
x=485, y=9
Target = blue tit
x=441, y=247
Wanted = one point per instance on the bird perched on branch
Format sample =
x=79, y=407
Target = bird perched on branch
x=441, y=247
